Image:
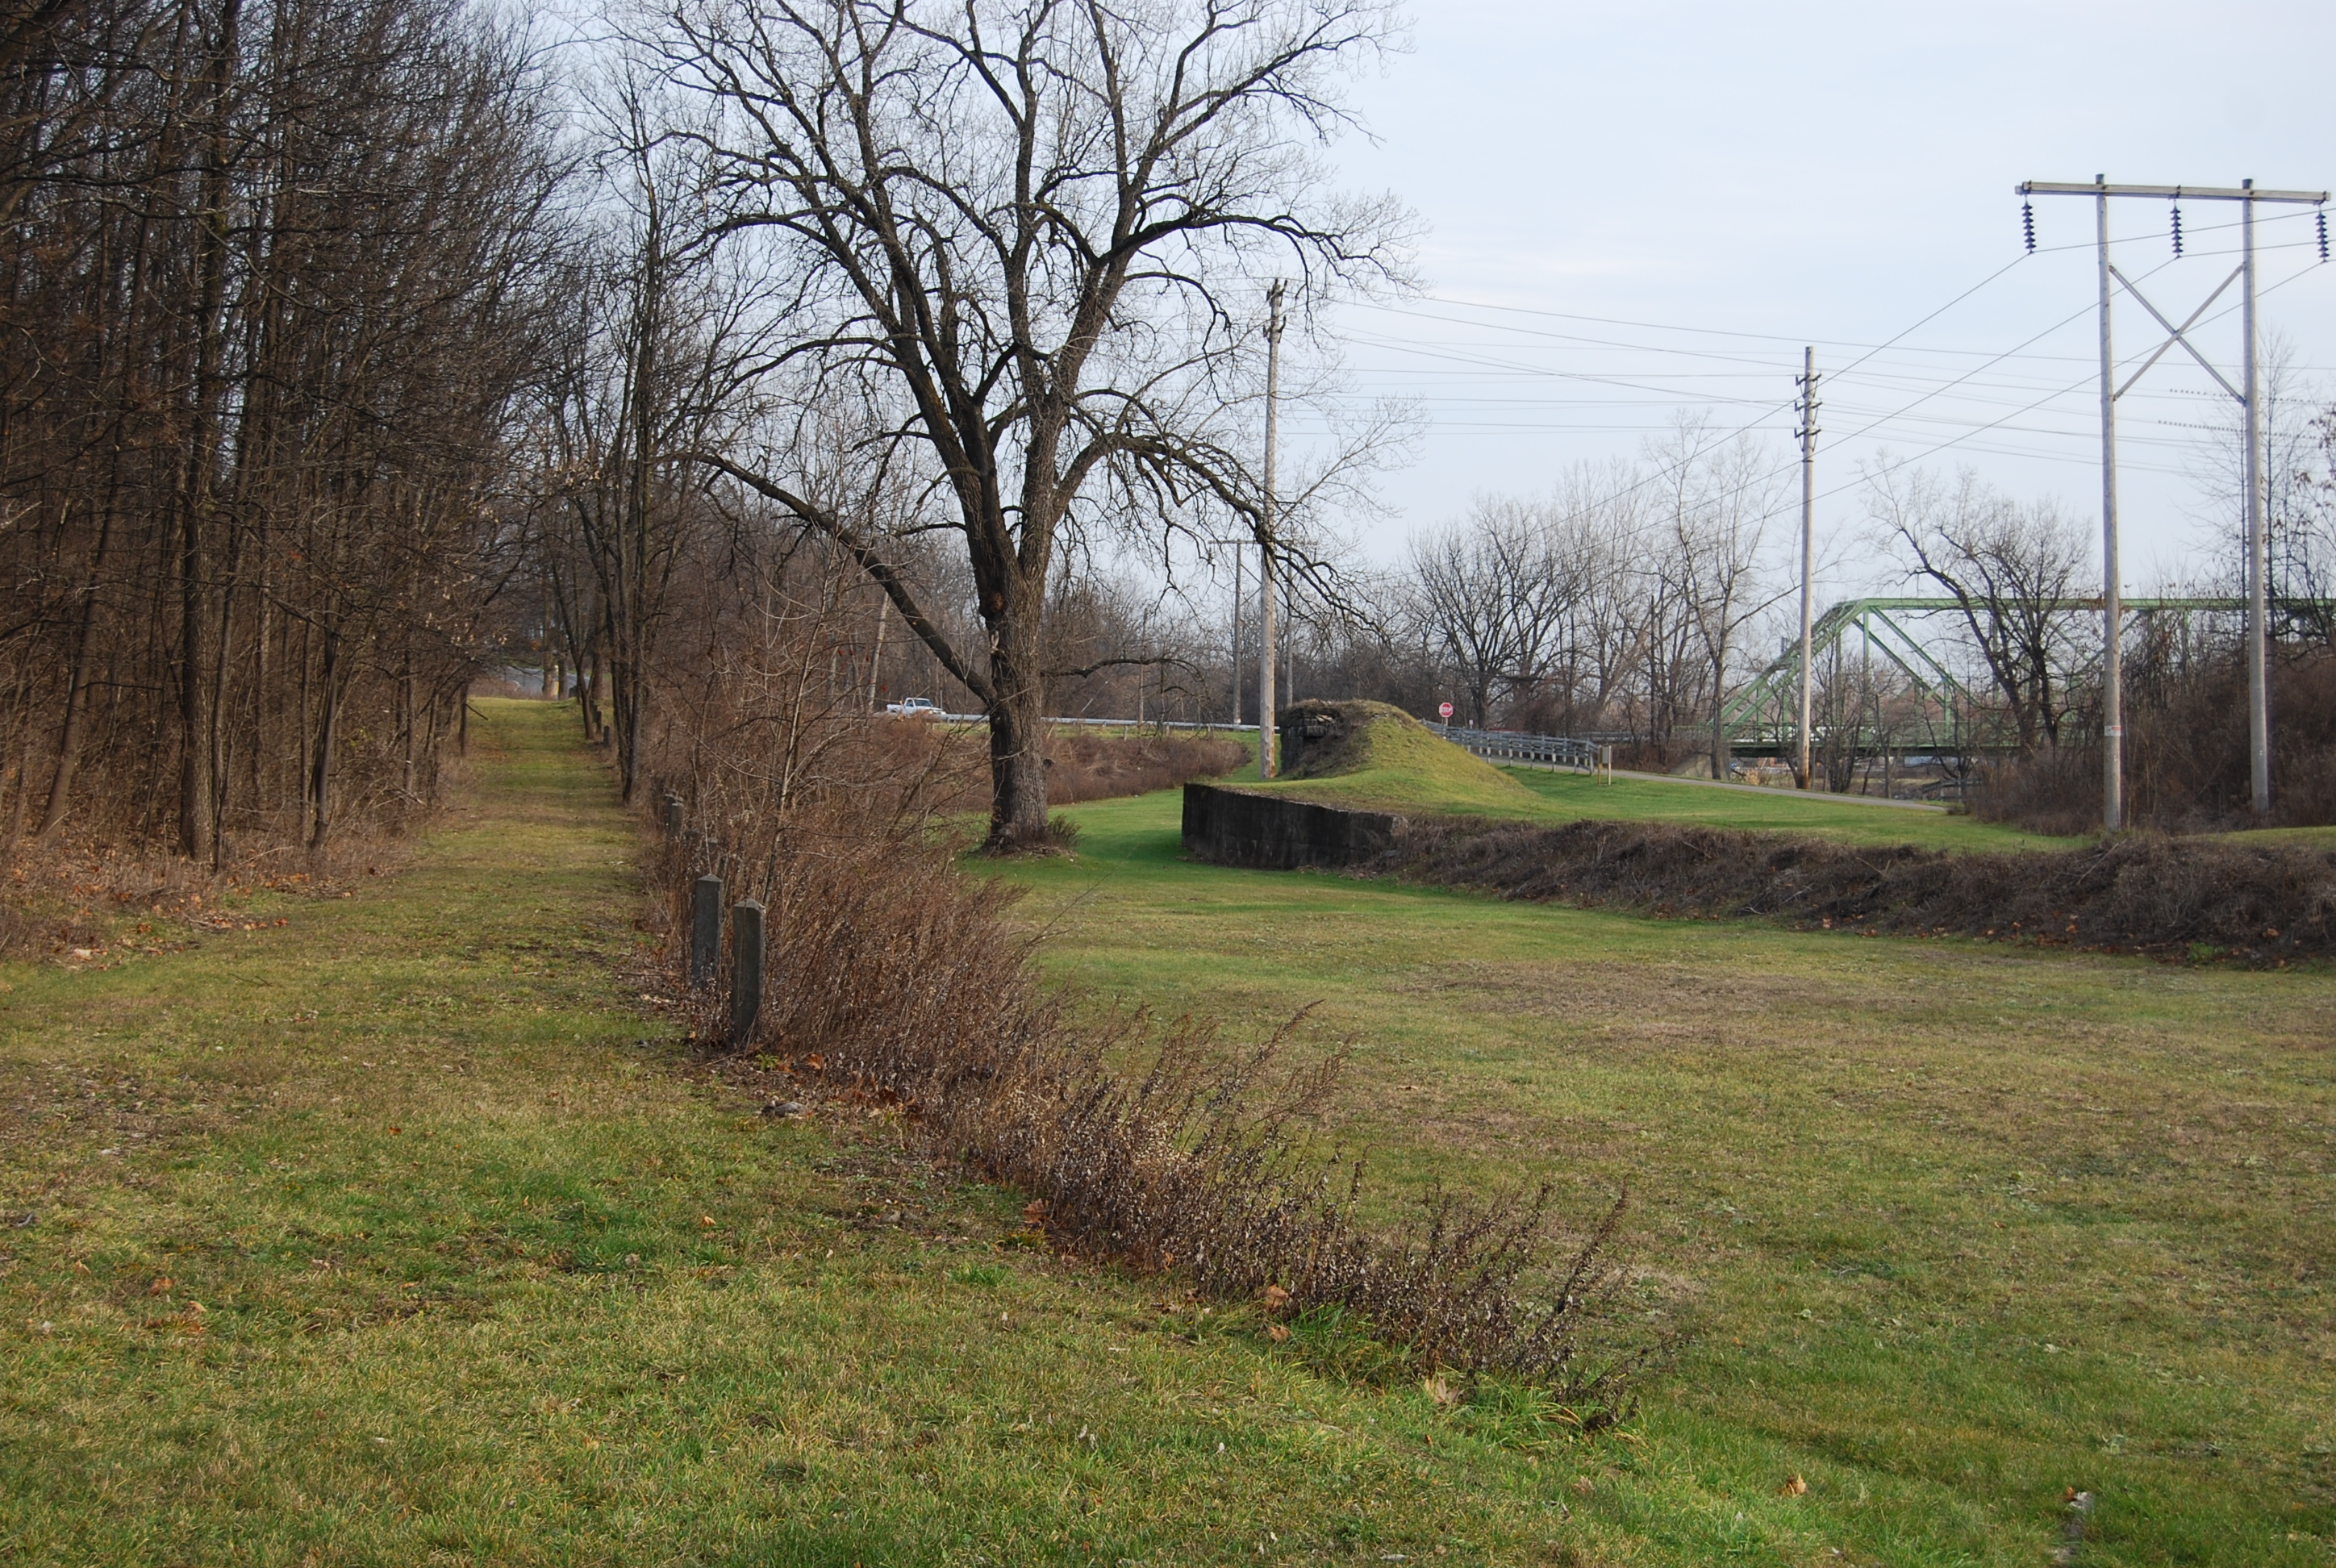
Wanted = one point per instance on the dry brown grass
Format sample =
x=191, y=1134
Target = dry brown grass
x=82, y=891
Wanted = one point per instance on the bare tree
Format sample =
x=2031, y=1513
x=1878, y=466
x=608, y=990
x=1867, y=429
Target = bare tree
x=1716, y=499
x=1489, y=593
x=2006, y=566
x=2298, y=480
x=1025, y=239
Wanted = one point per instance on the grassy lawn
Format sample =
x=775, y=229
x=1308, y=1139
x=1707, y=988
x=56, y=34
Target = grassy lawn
x=1566, y=796
x=1957, y=1226
x=398, y=1233
x=1413, y=770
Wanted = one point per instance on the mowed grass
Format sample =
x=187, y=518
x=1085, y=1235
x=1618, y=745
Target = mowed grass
x=1411, y=769
x=405, y=1233
x=1569, y=796
x=1956, y=1226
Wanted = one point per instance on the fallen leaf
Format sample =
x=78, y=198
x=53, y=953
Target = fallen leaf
x=394, y=1131
x=1277, y=1332
x=1583, y=1486
x=1275, y=1298
x=707, y=1221
x=161, y=1287
x=815, y=1063
x=1034, y=1212
x=1442, y=1392
x=1793, y=1487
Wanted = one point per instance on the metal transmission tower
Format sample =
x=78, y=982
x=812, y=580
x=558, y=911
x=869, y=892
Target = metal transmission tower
x=1265, y=709
x=1807, y=381
x=2249, y=400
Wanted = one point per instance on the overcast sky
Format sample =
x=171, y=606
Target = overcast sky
x=1738, y=180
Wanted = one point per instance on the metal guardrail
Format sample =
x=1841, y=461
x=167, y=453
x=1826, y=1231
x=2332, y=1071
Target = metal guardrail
x=1143, y=723
x=1549, y=750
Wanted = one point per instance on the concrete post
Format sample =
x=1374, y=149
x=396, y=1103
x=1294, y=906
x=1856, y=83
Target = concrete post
x=704, y=930
x=745, y=971
x=675, y=813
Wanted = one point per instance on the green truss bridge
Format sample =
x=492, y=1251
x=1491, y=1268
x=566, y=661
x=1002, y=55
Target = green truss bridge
x=1763, y=716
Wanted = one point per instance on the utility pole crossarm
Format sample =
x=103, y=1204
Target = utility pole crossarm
x=2170, y=193
x=2247, y=194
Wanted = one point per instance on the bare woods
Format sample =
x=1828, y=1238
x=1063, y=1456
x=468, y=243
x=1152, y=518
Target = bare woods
x=269, y=271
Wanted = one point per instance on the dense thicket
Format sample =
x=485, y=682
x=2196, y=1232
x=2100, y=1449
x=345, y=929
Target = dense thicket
x=269, y=286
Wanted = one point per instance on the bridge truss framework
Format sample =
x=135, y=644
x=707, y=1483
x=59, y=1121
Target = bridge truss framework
x=1762, y=717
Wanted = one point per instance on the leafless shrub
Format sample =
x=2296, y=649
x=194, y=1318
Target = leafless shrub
x=1092, y=767
x=2144, y=892
x=900, y=982
x=2187, y=751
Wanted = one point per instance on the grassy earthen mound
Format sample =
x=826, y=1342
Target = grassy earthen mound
x=1375, y=754
x=2258, y=901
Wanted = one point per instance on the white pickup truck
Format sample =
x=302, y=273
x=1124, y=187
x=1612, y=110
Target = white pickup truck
x=915, y=707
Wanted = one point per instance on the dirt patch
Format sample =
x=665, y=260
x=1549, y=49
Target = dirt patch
x=2198, y=898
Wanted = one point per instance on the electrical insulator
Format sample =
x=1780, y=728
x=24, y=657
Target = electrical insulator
x=2323, y=216
x=2028, y=225
x=2178, y=231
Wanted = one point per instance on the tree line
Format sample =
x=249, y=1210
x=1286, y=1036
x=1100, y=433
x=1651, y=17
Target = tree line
x=356, y=351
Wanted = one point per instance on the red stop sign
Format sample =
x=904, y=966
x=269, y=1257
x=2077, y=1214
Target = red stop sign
x=1444, y=709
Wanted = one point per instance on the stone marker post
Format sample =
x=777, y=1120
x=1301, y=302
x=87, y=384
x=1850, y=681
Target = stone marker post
x=745, y=971
x=705, y=929
x=673, y=813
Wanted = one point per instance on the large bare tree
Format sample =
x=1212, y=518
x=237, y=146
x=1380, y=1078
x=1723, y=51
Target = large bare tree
x=1027, y=241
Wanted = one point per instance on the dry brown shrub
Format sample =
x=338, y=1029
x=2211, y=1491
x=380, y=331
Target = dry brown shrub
x=1082, y=766
x=896, y=980
x=2145, y=891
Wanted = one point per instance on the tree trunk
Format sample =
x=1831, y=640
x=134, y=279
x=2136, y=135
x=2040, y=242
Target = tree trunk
x=1722, y=754
x=198, y=808
x=321, y=765
x=1018, y=741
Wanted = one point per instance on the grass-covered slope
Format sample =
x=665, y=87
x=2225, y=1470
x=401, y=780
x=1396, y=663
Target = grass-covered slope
x=1570, y=796
x=1384, y=759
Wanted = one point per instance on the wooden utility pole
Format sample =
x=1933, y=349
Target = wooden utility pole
x=2258, y=621
x=1237, y=641
x=1265, y=709
x=1808, y=434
